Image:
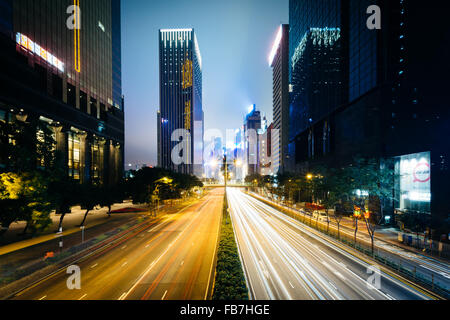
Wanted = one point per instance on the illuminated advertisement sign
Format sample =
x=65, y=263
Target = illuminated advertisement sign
x=187, y=119
x=187, y=73
x=33, y=47
x=414, y=182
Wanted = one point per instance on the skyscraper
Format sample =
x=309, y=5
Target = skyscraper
x=317, y=91
x=61, y=65
x=279, y=61
x=265, y=166
x=392, y=94
x=252, y=124
x=180, y=147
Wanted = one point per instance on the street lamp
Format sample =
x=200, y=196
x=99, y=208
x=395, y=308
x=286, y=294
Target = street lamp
x=309, y=176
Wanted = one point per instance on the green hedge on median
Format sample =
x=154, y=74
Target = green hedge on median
x=230, y=281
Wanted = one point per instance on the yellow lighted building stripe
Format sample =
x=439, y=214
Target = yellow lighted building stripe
x=76, y=37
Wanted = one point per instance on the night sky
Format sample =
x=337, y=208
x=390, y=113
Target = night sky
x=235, y=39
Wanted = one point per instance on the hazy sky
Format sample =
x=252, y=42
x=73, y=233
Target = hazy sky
x=235, y=39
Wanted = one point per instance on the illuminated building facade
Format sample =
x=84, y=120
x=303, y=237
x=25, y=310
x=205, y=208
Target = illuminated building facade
x=181, y=108
x=252, y=125
x=317, y=92
x=265, y=151
x=61, y=63
x=393, y=97
x=279, y=61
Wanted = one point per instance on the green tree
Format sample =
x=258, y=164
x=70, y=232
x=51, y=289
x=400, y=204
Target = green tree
x=109, y=195
x=90, y=197
x=371, y=182
x=27, y=151
x=23, y=197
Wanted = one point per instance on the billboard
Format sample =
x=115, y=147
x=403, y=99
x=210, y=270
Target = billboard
x=414, y=182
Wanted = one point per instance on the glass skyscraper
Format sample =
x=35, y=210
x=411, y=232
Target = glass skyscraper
x=316, y=77
x=392, y=96
x=181, y=112
x=61, y=64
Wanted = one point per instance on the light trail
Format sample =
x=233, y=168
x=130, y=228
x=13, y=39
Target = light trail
x=283, y=259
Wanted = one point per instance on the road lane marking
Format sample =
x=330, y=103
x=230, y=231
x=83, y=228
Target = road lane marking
x=124, y=247
x=182, y=262
x=390, y=297
x=164, y=296
x=92, y=267
x=124, y=264
x=147, y=246
x=122, y=296
x=43, y=298
x=156, y=261
x=331, y=284
x=84, y=296
x=356, y=257
x=292, y=286
x=435, y=271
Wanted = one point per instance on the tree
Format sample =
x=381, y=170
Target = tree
x=255, y=179
x=145, y=181
x=37, y=200
x=89, y=199
x=326, y=184
x=27, y=149
x=12, y=200
x=64, y=191
x=333, y=184
x=109, y=195
x=371, y=182
x=23, y=197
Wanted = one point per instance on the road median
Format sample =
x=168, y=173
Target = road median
x=230, y=281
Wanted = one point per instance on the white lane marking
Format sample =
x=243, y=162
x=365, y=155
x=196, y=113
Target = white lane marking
x=331, y=284
x=92, y=267
x=43, y=298
x=124, y=264
x=164, y=296
x=182, y=262
x=124, y=247
x=292, y=286
x=83, y=296
x=154, y=262
x=435, y=271
x=123, y=296
x=147, y=246
x=390, y=297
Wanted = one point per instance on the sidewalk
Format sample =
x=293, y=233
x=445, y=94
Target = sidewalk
x=11, y=240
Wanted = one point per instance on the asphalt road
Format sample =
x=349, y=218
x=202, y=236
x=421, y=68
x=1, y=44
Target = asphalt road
x=285, y=260
x=172, y=260
x=427, y=267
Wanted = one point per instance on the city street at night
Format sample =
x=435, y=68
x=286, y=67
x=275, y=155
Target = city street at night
x=284, y=259
x=172, y=260
x=238, y=159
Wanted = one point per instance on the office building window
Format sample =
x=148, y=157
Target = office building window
x=74, y=155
